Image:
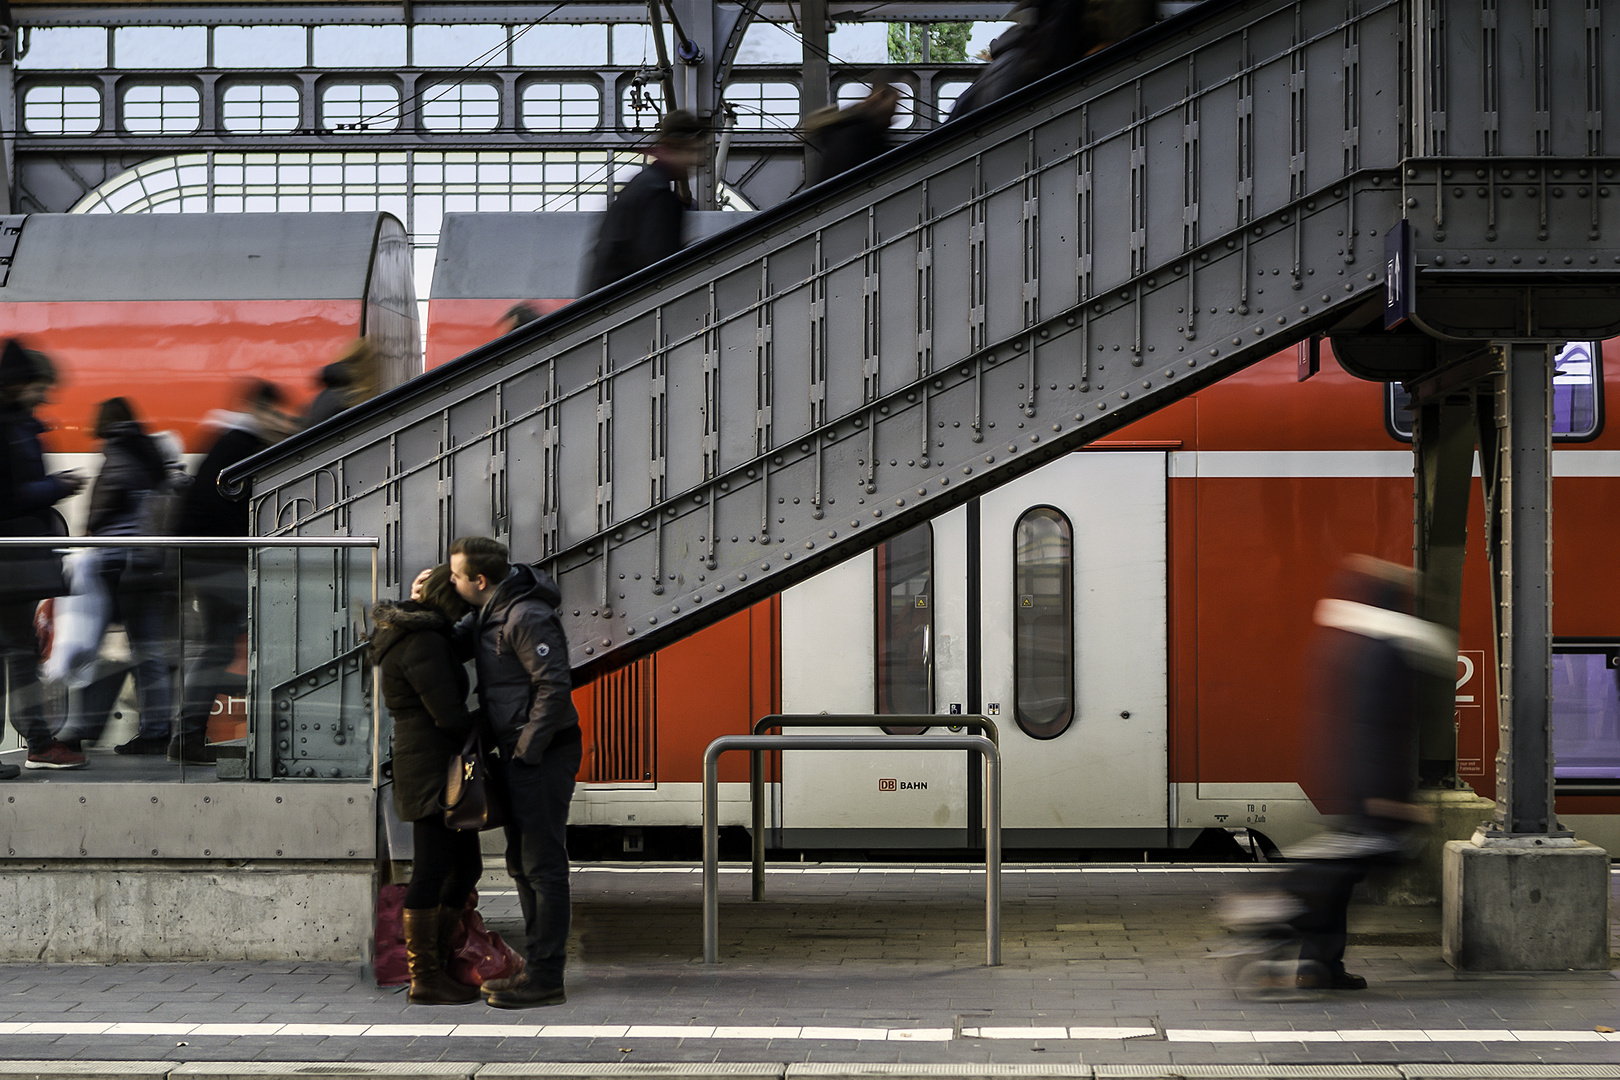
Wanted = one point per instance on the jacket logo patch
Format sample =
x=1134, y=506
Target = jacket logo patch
x=544, y=650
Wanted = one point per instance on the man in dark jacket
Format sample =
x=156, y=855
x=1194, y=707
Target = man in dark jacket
x=645, y=222
x=218, y=579
x=27, y=500
x=525, y=687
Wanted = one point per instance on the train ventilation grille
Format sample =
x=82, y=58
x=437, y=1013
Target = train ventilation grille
x=624, y=719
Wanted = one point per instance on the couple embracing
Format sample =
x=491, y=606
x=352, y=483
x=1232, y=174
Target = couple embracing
x=503, y=617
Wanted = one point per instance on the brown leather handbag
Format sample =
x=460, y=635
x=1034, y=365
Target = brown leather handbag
x=473, y=798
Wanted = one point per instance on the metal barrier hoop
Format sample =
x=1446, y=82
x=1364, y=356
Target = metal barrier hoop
x=978, y=744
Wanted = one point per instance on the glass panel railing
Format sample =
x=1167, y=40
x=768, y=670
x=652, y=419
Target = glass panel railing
x=127, y=659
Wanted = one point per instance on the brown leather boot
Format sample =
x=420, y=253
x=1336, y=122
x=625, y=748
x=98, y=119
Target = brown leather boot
x=431, y=984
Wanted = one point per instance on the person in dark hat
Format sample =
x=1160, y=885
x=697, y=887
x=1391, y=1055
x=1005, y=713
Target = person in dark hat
x=28, y=498
x=644, y=222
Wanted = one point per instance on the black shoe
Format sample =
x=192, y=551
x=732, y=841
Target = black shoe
x=193, y=751
x=1318, y=978
x=523, y=994
x=156, y=744
x=9, y=772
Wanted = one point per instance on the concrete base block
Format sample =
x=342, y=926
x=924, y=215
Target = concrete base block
x=1512, y=906
x=106, y=911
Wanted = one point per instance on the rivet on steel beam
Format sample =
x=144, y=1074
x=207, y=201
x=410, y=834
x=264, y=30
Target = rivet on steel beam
x=809, y=545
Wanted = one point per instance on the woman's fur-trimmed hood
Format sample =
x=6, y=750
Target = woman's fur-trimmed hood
x=397, y=619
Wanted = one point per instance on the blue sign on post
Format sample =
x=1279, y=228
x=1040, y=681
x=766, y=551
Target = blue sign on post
x=1400, y=275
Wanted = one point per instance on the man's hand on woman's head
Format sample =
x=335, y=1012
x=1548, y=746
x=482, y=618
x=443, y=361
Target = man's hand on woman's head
x=421, y=580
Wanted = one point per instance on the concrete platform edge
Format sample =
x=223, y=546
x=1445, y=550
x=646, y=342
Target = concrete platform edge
x=444, y=1070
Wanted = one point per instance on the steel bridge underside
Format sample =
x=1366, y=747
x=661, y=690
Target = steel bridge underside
x=991, y=296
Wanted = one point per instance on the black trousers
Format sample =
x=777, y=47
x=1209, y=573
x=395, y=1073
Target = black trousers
x=537, y=853
x=221, y=592
x=19, y=679
x=445, y=866
x=1324, y=887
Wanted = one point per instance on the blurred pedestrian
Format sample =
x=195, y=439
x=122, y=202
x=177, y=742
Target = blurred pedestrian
x=1370, y=654
x=140, y=478
x=845, y=138
x=425, y=685
x=28, y=499
x=524, y=688
x=644, y=223
x=1048, y=36
x=519, y=314
x=345, y=382
x=217, y=579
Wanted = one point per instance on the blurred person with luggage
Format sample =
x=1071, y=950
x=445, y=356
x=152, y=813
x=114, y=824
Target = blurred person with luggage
x=216, y=580
x=28, y=498
x=134, y=494
x=845, y=138
x=1369, y=656
x=645, y=222
x=424, y=685
x=1046, y=37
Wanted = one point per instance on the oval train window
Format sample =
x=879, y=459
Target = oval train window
x=903, y=600
x=1043, y=623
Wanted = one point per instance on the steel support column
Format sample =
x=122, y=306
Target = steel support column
x=1444, y=431
x=817, y=90
x=1516, y=456
x=8, y=109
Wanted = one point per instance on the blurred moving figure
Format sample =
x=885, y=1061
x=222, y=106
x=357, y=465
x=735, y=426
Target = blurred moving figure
x=217, y=579
x=643, y=224
x=424, y=684
x=1049, y=35
x=1370, y=653
x=140, y=479
x=845, y=138
x=345, y=383
x=28, y=499
x=519, y=314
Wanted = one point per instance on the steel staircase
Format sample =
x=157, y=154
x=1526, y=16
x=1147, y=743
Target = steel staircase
x=993, y=295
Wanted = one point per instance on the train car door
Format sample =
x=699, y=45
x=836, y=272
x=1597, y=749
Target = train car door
x=1072, y=633
x=1073, y=622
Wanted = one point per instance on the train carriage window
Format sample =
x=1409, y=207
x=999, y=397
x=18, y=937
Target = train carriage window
x=904, y=604
x=1577, y=396
x=1043, y=623
x=1586, y=712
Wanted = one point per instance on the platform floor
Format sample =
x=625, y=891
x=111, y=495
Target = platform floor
x=1103, y=965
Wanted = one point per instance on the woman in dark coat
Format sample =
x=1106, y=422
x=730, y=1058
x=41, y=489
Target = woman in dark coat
x=425, y=688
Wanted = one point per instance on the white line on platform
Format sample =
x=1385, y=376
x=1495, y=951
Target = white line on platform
x=815, y=1034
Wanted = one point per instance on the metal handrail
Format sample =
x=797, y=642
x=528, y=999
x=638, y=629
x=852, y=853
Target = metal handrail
x=191, y=541
x=973, y=743
x=756, y=760
x=232, y=542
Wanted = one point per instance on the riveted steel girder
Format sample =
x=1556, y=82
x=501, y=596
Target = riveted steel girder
x=876, y=351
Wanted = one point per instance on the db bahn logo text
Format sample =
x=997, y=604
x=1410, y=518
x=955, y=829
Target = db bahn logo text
x=902, y=785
